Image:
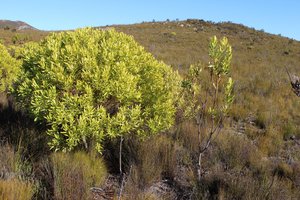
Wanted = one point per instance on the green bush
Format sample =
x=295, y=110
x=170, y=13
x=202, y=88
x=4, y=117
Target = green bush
x=8, y=68
x=89, y=85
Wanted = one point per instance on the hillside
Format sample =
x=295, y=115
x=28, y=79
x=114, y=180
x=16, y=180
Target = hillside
x=258, y=154
x=18, y=32
x=18, y=25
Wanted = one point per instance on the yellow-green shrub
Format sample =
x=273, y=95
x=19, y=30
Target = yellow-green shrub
x=88, y=85
x=9, y=68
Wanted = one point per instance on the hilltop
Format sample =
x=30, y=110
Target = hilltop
x=17, y=25
x=258, y=153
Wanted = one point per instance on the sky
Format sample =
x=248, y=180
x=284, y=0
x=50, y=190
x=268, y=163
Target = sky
x=273, y=16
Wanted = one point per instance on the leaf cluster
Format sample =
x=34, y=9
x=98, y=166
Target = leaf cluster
x=9, y=68
x=208, y=90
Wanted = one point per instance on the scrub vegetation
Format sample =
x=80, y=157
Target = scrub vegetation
x=158, y=110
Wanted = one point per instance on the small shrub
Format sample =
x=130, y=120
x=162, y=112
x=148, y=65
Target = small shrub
x=133, y=188
x=17, y=174
x=173, y=33
x=76, y=173
x=13, y=164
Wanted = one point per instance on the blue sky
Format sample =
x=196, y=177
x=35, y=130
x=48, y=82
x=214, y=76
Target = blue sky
x=278, y=17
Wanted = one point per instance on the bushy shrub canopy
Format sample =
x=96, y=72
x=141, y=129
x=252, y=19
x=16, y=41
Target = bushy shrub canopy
x=8, y=68
x=88, y=85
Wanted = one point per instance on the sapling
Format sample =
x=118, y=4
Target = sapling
x=208, y=102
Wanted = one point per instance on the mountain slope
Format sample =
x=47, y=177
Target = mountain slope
x=18, y=25
x=18, y=32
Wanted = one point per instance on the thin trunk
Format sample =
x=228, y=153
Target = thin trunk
x=121, y=172
x=120, y=155
x=199, y=171
x=199, y=123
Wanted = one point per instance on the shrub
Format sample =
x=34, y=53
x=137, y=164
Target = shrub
x=8, y=68
x=208, y=102
x=76, y=173
x=89, y=85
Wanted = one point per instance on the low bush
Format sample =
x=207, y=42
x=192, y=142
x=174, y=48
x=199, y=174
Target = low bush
x=76, y=173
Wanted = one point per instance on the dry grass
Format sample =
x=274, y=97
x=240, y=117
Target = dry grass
x=14, y=189
x=156, y=160
x=7, y=158
x=11, y=169
x=76, y=173
x=18, y=37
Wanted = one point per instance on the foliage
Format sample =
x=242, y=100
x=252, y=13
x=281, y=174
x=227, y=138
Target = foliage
x=208, y=101
x=9, y=68
x=202, y=95
x=89, y=85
